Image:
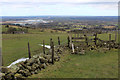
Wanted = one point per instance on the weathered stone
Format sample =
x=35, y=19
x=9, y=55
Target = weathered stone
x=30, y=61
x=40, y=66
x=36, y=71
x=82, y=52
x=42, y=60
x=21, y=67
x=44, y=65
x=18, y=75
x=5, y=70
x=47, y=64
x=47, y=57
x=27, y=73
x=21, y=71
x=36, y=65
x=14, y=67
x=9, y=76
x=33, y=67
x=29, y=68
x=50, y=61
x=56, y=57
x=2, y=74
x=32, y=72
x=35, y=56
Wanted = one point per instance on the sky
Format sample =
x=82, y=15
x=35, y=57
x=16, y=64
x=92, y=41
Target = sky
x=59, y=7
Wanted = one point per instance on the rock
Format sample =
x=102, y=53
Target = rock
x=32, y=72
x=50, y=61
x=47, y=64
x=44, y=65
x=9, y=76
x=40, y=66
x=17, y=75
x=21, y=67
x=5, y=70
x=36, y=65
x=30, y=61
x=21, y=71
x=38, y=60
x=2, y=74
x=14, y=67
x=35, y=56
x=56, y=57
x=33, y=67
x=36, y=71
x=82, y=52
x=29, y=68
x=42, y=60
x=27, y=73
x=47, y=57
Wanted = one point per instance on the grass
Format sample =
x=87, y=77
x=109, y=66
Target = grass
x=14, y=46
x=92, y=65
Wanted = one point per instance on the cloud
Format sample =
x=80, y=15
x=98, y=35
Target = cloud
x=55, y=6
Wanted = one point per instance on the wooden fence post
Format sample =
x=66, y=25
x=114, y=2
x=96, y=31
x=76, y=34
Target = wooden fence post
x=95, y=39
x=73, y=48
x=116, y=37
x=58, y=41
x=86, y=40
x=68, y=41
x=109, y=41
x=52, y=52
x=29, y=53
x=43, y=46
x=50, y=45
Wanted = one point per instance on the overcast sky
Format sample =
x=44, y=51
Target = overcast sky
x=59, y=7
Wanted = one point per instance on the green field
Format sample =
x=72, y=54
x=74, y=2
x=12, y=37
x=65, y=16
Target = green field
x=93, y=64
x=14, y=46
